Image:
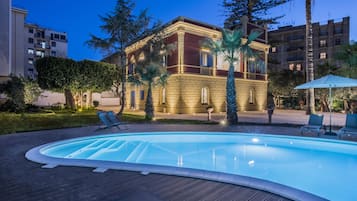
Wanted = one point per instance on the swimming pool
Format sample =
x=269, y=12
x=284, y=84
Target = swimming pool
x=326, y=168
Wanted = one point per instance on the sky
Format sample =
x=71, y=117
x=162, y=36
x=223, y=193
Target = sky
x=80, y=18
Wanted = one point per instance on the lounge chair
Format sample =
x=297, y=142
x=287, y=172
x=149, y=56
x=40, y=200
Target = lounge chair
x=113, y=119
x=350, y=126
x=314, y=125
x=106, y=121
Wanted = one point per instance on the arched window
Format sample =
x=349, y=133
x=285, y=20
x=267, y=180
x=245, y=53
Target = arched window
x=204, y=96
x=163, y=100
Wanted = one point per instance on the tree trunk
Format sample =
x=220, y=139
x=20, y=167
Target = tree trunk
x=149, y=108
x=69, y=99
x=310, y=99
x=232, y=116
x=123, y=82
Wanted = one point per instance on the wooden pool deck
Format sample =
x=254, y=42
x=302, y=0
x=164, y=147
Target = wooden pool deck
x=24, y=180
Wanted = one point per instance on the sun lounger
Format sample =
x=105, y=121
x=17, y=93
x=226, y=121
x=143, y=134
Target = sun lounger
x=104, y=118
x=350, y=126
x=314, y=125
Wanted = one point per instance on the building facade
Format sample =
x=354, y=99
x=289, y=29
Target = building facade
x=197, y=76
x=41, y=42
x=11, y=40
x=288, y=44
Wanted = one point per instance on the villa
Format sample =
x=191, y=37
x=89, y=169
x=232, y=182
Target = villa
x=198, y=77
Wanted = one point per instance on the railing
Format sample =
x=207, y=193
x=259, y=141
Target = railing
x=199, y=70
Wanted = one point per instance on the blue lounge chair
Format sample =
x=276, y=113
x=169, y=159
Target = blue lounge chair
x=314, y=125
x=106, y=121
x=113, y=119
x=350, y=126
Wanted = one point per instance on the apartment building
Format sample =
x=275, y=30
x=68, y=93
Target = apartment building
x=11, y=40
x=41, y=42
x=198, y=77
x=288, y=44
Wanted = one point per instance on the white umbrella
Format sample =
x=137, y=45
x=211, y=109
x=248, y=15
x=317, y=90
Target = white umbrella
x=329, y=81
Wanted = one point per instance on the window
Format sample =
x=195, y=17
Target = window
x=142, y=95
x=323, y=43
x=53, y=44
x=131, y=68
x=30, y=61
x=43, y=45
x=53, y=53
x=323, y=55
x=56, y=36
x=273, y=49
x=30, y=40
x=63, y=37
x=30, y=30
x=251, y=96
x=40, y=53
x=204, y=96
x=298, y=67
x=206, y=59
x=30, y=51
x=164, y=61
x=163, y=100
x=338, y=41
x=291, y=66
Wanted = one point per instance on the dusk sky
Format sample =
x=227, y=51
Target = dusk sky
x=79, y=18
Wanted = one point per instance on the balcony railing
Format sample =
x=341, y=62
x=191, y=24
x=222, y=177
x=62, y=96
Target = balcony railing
x=199, y=70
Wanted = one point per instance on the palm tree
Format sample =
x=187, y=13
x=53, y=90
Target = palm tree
x=230, y=45
x=309, y=59
x=153, y=74
x=149, y=70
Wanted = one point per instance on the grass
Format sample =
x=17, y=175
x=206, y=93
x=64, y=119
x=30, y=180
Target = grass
x=49, y=119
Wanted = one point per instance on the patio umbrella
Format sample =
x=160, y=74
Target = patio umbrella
x=329, y=81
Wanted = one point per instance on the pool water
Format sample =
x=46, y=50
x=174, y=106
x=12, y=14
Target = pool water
x=326, y=168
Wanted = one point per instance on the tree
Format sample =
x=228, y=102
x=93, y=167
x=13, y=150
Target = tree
x=58, y=74
x=96, y=77
x=122, y=27
x=348, y=56
x=255, y=10
x=230, y=45
x=14, y=90
x=149, y=70
x=309, y=59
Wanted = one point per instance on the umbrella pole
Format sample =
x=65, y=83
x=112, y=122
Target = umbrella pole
x=330, y=107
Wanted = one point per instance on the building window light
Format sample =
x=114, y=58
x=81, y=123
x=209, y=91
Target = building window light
x=30, y=61
x=323, y=55
x=30, y=51
x=206, y=58
x=298, y=67
x=204, y=96
x=273, y=49
x=251, y=96
x=323, y=43
x=163, y=96
x=291, y=66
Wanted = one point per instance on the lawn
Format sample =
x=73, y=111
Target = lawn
x=14, y=123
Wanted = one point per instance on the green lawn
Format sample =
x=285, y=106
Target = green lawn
x=13, y=123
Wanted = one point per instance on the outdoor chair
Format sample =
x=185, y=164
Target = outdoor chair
x=350, y=126
x=314, y=125
x=104, y=118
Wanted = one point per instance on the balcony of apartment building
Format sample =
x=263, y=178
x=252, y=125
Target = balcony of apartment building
x=294, y=37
